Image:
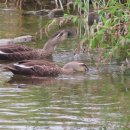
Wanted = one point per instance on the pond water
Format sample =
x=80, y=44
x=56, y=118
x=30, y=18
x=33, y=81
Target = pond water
x=96, y=100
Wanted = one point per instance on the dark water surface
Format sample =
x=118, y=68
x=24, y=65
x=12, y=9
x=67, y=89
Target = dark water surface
x=97, y=100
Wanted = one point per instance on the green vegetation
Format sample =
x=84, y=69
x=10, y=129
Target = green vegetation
x=112, y=31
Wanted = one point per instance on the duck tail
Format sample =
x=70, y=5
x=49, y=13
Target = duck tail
x=12, y=69
x=3, y=56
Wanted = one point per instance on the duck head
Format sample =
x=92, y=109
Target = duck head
x=74, y=66
x=51, y=44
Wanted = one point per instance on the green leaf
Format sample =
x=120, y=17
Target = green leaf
x=93, y=43
x=128, y=52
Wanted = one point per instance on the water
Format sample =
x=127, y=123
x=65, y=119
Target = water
x=96, y=100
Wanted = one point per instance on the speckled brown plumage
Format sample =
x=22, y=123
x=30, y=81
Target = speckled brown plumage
x=42, y=68
x=14, y=48
x=39, y=68
x=18, y=52
x=28, y=54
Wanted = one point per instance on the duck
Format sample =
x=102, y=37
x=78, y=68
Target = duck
x=22, y=52
x=92, y=15
x=44, y=68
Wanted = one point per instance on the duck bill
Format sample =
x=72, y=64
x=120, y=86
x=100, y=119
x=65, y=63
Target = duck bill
x=86, y=68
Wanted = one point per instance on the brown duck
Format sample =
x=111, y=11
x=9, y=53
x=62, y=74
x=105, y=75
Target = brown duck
x=42, y=68
x=21, y=52
x=92, y=16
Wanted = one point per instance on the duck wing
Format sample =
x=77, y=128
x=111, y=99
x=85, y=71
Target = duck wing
x=47, y=71
x=14, y=48
x=14, y=52
x=25, y=55
x=35, y=68
x=36, y=62
x=19, y=53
